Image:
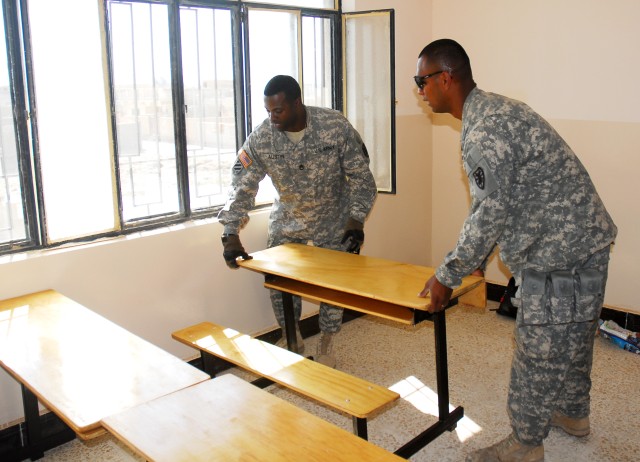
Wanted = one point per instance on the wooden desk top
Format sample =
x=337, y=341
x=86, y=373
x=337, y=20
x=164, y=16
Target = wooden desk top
x=374, y=278
x=229, y=419
x=81, y=365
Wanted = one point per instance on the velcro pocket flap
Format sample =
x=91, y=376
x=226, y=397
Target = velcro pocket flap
x=533, y=282
x=590, y=282
x=533, y=308
x=562, y=283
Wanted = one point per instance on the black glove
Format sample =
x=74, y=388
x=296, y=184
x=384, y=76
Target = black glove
x=233, y=249
x=354, y=234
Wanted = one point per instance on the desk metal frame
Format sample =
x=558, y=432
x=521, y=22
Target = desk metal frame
x=447, y=421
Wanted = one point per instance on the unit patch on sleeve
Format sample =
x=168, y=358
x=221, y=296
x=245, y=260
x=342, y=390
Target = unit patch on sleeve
x=482, y=180
x=478, y=175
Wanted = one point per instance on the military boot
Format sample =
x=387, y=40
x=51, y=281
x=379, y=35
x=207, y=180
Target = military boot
x=508, y=450
x=325, y=349
x=282, y=341
x=575, y=427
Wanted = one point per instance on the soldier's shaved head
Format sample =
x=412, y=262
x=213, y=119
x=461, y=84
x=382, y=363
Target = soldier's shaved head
x=285, y=84
x=450, y=56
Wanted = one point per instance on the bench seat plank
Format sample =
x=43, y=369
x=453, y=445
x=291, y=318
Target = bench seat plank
x=334, y=388
x=228, y=419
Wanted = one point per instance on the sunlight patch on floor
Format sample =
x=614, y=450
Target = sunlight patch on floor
x=425, y=400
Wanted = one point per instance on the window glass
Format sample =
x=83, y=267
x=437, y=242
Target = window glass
x=144, y=109
x=273, y=50
x=368, y=101
x=12, y=224
x=72, y=118
x=207, y=65
x=316, y=61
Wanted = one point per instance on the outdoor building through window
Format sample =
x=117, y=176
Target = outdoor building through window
x=127, y=115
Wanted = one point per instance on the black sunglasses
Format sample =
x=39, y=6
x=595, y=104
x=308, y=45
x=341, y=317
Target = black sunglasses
x=421, y=80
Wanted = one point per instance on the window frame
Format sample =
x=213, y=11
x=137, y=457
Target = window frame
x=22, y=114
x=25, y=114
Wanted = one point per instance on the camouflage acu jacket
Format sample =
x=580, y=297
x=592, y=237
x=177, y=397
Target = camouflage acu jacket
x=320, y=181
x=531, y=195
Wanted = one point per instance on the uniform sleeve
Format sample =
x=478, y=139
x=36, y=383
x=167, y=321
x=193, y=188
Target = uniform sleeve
x=362, y=184
x=490, y=169
x=246, y=174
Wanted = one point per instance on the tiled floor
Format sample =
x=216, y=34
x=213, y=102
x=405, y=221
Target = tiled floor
x=479, y=350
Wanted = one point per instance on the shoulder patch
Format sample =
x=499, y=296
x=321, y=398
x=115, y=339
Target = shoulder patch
x=244, y=158
x=482, y=180
x=478, y=175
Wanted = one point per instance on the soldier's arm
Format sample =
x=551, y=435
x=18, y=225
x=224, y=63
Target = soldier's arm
x=246, y=174
x=490, y=174
x=362, y=184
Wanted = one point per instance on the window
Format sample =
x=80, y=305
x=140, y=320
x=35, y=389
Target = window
x=207, y=69
x=370, y=101
x=143, y=102
x=122, y=115
x=72, y=121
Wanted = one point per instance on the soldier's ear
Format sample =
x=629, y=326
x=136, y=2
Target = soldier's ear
x=446, y=79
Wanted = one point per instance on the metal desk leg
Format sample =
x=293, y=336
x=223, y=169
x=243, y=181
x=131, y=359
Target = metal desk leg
x=447, y=421
x=442, y=369
x=360, y=427
x=289, y=321
x=32, y=420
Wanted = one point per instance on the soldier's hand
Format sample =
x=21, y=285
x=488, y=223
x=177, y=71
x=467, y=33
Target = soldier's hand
x=353, y=235
x=440, y=294
x=233, y=249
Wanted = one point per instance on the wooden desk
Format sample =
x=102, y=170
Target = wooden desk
x=80, y=365
x=229, y=419
x=374, y=286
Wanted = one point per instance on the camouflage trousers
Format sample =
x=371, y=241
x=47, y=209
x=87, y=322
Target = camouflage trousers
x=330, y=317
x=554, y=336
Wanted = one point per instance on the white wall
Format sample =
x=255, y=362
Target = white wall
x=399, y=225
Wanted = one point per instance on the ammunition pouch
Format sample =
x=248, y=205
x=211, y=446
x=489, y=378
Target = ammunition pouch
x=560, y=297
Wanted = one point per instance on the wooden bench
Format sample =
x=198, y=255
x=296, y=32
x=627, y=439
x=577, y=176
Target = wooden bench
x=341, y=391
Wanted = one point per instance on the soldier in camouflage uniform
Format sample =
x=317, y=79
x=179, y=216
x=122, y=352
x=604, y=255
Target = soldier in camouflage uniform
x=532, y=198
x=320, y=169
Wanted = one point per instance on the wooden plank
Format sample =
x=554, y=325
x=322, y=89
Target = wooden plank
x=355, y=302
x=80, y=365
x=228, y=419
x=336, y=389
x=369, y=277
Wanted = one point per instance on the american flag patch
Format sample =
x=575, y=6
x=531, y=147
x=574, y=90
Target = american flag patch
x=244, y=158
